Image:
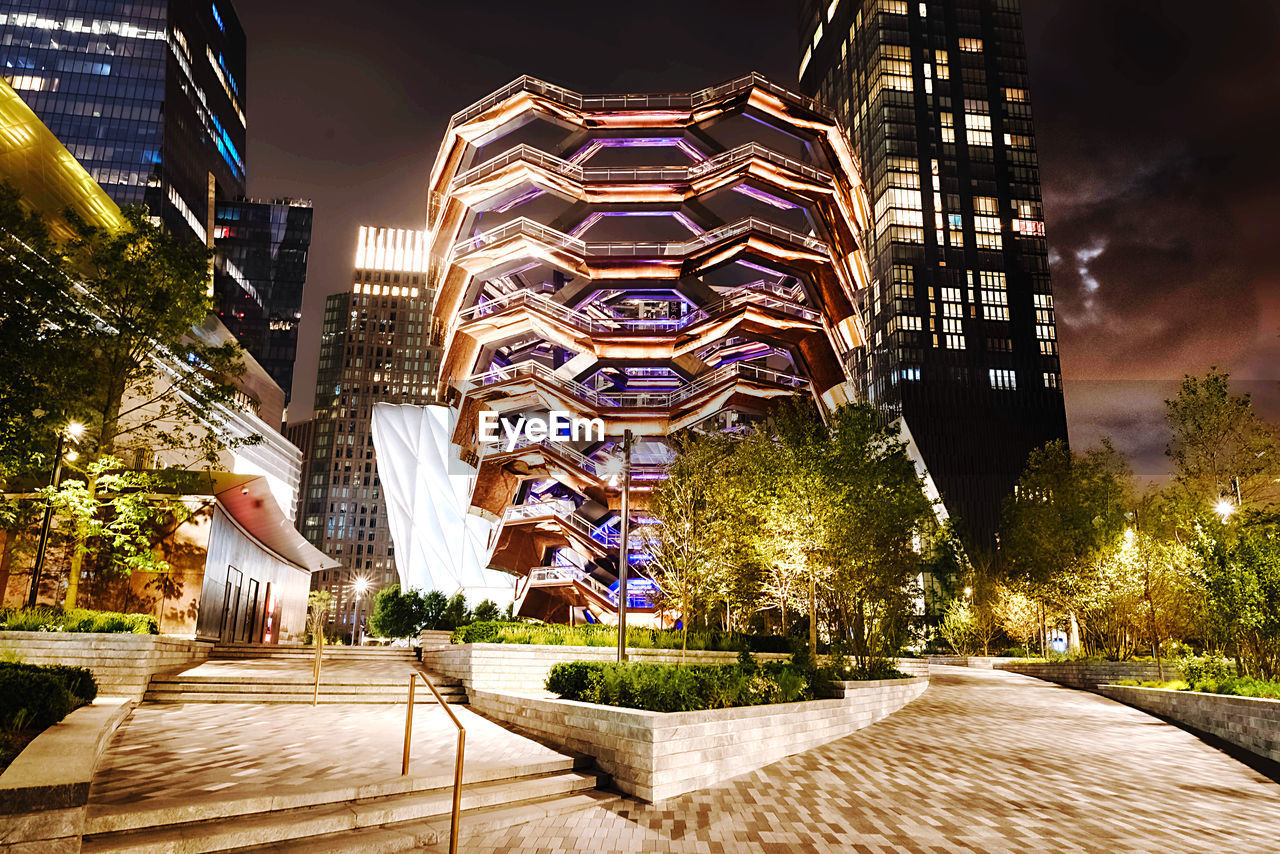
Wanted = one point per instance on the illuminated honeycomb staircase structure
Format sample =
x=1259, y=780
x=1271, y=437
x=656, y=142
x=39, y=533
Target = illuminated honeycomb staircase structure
x=661, y=262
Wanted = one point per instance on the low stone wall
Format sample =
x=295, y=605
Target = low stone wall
x=912, y=666
x=985, y=662
x=122, y=664
x=654, y=756
x=1088, y=675
x=44, y=791
x=1247, y=722
x=523, y=668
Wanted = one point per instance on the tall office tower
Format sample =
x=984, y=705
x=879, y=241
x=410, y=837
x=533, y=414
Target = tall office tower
x=376, y=345
x=260, y=269
x=148, y=95
x=657, y=263
x=960, y=312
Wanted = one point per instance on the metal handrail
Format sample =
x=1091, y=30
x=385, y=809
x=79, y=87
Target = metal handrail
x=624, y=399
x=582, y=249
x=687, y=100
x=666, y=174
x=457, y=763
x=583, y=321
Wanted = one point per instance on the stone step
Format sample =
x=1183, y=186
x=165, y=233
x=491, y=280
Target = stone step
x=434, y=833
x=153, y=696
x=268, y=682
x=366, y=821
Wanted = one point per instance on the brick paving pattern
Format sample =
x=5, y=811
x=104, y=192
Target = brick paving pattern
x=984, y=762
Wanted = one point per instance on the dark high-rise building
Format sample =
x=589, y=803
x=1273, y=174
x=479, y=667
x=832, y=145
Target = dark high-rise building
x=962, y=340
x=376, y=345
x=149, y=95
x=260, y=269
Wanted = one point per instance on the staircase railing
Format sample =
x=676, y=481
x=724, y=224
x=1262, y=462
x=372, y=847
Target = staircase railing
x=457, y=763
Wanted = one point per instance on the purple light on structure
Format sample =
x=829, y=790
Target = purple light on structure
x=526, y=196
x=767, y=198
x=595, y=217
x=584, y=153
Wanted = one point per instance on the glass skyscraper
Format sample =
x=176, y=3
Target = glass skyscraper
x=260, y=269
x=149, y=95
x=960, y=318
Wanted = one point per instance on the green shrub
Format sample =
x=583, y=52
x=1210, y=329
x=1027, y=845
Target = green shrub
x=45, y=619
x=1210, y=667
x=42, y=695
x=1238, y=686
x=638, y=637
x=576, y=680
x=677, y=688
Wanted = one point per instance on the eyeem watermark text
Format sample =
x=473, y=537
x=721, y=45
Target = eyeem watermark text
x=557, y=426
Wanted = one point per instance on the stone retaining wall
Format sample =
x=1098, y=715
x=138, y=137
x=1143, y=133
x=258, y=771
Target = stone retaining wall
x=1247, y=722
x=44, y=791
x=122, y=664
x=1088, y=675
x=654, y=756
x=985, y=662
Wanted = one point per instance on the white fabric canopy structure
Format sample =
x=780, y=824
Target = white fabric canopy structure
x=439, y=543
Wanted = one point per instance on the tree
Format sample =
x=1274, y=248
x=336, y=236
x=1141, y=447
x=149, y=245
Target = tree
x=115, y=512
x=318, y=602
x=1019, y=615
x=1066, y=508
x=455, y=612
x=1240, y=572
x=687, y=544
x=957, y=627
x=486, y=611
x=434, y=604
x=43, y=364
x=397, y=614
x=1220, y=446
x=880, y=517
x=148, y=291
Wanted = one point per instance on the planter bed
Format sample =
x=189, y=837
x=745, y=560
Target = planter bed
x=122, y=664
x=1248, y=722
x=523, y=668
x=654, y=756
x=1088, y=675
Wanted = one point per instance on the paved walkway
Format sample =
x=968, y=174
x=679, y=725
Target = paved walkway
x=985, y=761
x=201, y=752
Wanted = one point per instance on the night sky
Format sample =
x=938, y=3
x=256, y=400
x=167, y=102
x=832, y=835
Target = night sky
x=1157, y=125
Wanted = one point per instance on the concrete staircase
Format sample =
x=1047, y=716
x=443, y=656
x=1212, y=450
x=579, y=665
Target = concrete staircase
x=241, y=689
x=266, y=673
x=408, y=816
x=303, y=653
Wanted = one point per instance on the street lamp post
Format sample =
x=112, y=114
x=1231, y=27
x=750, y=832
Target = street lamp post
x=72, y=430
x=624, y=530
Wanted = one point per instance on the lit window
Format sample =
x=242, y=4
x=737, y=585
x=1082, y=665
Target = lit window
x=1017, y=96
x=971, y=45
x=1002, y=379
x=1052, y=380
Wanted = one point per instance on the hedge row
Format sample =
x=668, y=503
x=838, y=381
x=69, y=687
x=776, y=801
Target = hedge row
x=638, y=637
x=45, y=619
x=680, y=688
x=41, y=695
